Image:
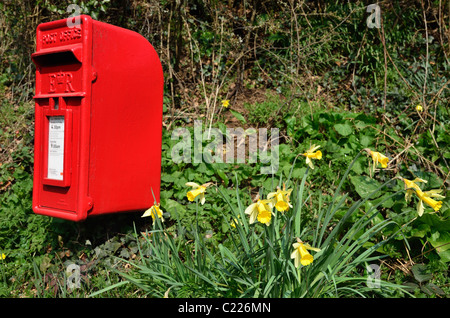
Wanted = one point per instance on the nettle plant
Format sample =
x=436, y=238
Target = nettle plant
x=274, y=248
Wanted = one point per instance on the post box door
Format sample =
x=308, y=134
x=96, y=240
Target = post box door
x=62, y=87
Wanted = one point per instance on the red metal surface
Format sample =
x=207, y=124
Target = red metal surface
x=99, y=95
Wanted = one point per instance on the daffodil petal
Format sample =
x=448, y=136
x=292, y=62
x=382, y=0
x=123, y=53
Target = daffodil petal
x=419, y=180
x=435, y=193
x=253, y=212
x=309, y=247
x=420, y=208
x=148, y=212
x=313, y=148
x=271, y=195
x=202, y=198
x=250, y=208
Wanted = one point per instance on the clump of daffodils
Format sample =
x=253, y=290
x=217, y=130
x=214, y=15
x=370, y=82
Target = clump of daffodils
x=261, y=210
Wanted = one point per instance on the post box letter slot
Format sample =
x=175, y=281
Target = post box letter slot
x=58, y=127
x=62, y=56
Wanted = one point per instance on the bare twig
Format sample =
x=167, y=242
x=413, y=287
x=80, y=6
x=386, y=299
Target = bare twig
x=426, y=58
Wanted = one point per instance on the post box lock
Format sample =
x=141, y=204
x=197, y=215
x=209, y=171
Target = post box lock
x=90, y=145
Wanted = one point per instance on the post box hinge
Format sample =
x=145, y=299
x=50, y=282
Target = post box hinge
x=94, y=75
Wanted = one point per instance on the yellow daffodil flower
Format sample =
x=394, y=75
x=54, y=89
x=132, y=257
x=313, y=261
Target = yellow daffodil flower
x=377, y=158
x=419, y=108
x=281, y=199
x=197, y=190
x=410, y=186
x=311, y=153
x=235, y=222
x=426, y=197
x=225, y=103
x=154, y=212
x=301, y=254
x=261, y=211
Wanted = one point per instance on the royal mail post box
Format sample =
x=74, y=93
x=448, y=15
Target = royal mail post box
x=98, y=120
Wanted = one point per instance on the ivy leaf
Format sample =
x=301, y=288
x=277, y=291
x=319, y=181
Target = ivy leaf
x=343, y=129
x=176, y=209
x=124, y=253
x=364, y=186
x=431, y=289
x=440, y=241
x=420, y=273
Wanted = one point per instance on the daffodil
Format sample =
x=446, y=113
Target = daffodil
x=261, y=211
x=281, y=199
x=410, y=186
x=377, y=158
x=426, y=197
x=197, y=190
x=301, y=254
x=225, y=103
x=235, y=221
x=154, y=211
x=311, y=153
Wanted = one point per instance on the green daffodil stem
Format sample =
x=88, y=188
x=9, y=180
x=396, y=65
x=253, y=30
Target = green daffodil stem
x=299, y=204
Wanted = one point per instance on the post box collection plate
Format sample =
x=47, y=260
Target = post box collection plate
x=98, y=120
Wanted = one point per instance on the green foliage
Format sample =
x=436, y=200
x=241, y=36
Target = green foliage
x=254, y=259
x=421, y=282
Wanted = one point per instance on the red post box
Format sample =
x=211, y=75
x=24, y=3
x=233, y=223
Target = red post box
x=98, y=120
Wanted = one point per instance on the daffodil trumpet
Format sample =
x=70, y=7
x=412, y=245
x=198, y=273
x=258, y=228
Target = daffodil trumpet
x=377, y=158
x=426, y=197
x=197, y=191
